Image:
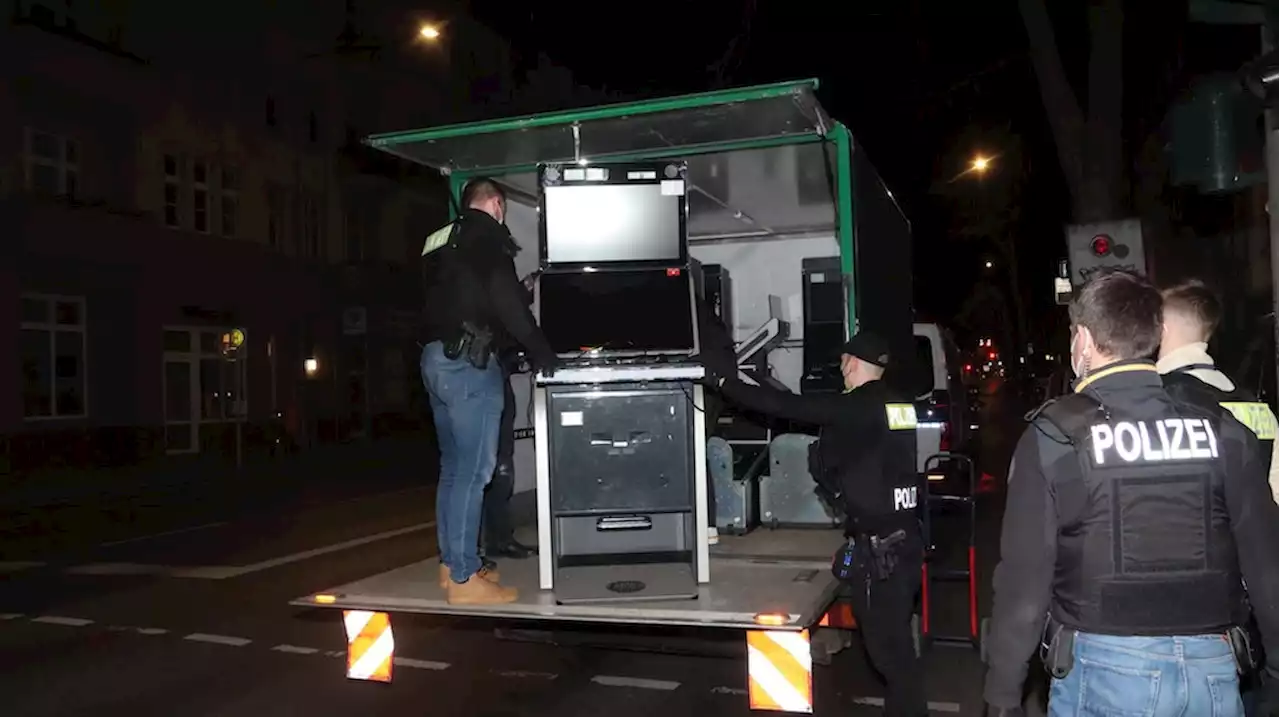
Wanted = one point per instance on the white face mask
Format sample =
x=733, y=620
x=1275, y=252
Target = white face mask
x=1078, y=366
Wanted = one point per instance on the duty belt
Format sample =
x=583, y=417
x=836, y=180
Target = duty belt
x=1057, y=649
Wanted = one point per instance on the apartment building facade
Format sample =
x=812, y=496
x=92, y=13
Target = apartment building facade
x=149, y=212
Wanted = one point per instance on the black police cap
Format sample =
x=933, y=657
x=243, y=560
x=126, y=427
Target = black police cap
x=869, y=347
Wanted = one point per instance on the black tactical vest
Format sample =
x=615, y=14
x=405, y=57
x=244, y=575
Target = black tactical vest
x=1152, y=552
x=1254, y=414
x=889, y=495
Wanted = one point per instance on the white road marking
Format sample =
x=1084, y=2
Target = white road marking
x=218, y=639
x=728, y=691
x=295, y=650
x=68, y=621
x=165, y=534
x=152, y=631
x=947, y=707
x=206, y=572
x=10, y=616
x=638, y=682
x=526, y=674
x=13, y=566
x=419, y=664
x=345, y=545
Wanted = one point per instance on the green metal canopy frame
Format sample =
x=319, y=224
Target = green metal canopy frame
x=708, y=123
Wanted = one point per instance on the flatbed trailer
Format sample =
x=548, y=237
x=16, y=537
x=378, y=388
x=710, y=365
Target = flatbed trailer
x=775, y=586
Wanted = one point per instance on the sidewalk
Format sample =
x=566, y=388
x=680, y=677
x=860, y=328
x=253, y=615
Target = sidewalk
x=170, y=481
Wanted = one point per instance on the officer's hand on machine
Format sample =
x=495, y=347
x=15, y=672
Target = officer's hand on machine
x=720, y=366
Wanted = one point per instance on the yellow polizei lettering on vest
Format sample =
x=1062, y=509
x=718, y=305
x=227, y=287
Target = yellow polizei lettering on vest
x=901, y=416
x=1256, y=416
x=1169, y=439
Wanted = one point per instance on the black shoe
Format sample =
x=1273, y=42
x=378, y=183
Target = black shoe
x=510, y=549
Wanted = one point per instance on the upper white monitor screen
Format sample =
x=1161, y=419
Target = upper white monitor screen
x=599, y=223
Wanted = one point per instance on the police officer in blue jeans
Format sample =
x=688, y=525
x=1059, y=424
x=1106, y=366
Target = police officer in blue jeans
x=474, y=308
x=1133, y=522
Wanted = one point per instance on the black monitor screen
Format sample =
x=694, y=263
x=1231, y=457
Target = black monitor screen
x=630, y=311
x=601, y=223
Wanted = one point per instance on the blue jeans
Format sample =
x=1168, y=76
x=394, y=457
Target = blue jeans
x=1191, y=676
x=466, y=405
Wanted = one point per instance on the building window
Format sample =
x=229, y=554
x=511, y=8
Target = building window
x=228, y=201
x=51, y=163
x=200, y=196
x=204, y=393
x=172, y=188
x=311, y=227
x=52, y=356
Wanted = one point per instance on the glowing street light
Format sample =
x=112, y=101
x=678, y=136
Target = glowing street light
x=429, y=32
x=989, y=264
x=311, y=366
x=980, y=164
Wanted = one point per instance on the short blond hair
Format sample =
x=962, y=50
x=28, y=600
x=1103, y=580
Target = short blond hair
x=1195, y=302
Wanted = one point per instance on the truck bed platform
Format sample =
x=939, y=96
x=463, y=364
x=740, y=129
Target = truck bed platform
x=782, y=573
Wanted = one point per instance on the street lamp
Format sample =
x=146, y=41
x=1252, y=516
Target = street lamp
x=311, y=366
x=989, y=265
x=429, y=32
x=980, y=164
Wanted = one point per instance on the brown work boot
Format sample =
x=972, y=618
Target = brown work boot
x=479, y=591
x=486, y=572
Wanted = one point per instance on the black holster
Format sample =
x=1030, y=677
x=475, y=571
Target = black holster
x=886, y=553
x=1057, y=648
x=472, y=343
x=880, y=555
x=1242, y=649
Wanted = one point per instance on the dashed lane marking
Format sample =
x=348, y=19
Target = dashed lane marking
x=728, y=691
x=419, y=664
x=58, y=620
x=945, y=707
x=295, y=650
x=10, y=616
x=525, y=674
x=638, y=682
x=218, y=639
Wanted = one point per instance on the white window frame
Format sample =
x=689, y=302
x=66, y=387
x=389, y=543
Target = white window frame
x=172, y=181
x=228, y=201
x=66, y=164
x=53, y=328
x=192, y=359
x=200, y=197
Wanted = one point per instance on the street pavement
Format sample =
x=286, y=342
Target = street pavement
x=186, y=612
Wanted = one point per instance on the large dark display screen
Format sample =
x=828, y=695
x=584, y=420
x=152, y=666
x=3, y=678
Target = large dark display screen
x=625, y=311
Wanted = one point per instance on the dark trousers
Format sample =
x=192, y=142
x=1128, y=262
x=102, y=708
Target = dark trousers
x=496, y=522
x=883, y=609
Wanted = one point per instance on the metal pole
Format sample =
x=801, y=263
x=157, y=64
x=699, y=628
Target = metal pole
x=1272, y=126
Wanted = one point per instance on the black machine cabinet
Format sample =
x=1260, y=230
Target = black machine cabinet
x=622, y=485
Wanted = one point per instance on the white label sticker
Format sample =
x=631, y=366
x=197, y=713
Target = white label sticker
x=673, y=187
x=571, y=418
x=816, y=278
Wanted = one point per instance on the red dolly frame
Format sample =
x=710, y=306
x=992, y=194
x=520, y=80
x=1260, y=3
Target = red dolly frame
x=977, y=628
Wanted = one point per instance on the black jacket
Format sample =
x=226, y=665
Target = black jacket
x=473, y=279
x=857, y=447
x=1044, y=504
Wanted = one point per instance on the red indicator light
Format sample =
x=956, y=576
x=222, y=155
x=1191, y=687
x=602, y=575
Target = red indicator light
x=1101, y=245
x=673, y=272
x=992, y=355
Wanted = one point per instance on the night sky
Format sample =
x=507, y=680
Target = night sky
x=923, y=86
